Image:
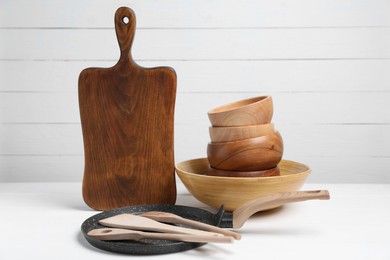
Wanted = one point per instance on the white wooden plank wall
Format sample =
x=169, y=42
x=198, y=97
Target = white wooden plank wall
x=326, y=63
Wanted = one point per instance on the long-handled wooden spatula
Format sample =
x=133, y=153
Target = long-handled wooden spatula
x=134, y=222
x=175, y=219
x=125, y=234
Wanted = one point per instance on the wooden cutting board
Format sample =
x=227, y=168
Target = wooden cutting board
x=127, y=116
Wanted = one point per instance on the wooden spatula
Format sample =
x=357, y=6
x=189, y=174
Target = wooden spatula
x=130, y=221
x=127, y=117
x=175, y=219
x=125, y=234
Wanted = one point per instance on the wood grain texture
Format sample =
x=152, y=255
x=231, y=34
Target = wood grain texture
x=167, y=217
x=326, y=142
x=233, y=192
x=137, y=222
x=252, y=111
x=242, y=214
x=320, y=61
x=264, y=173
x=126, y=234
x=254, y=154
x=127, y=115
x=228, y=134
x=191, y=108
x=214, y=76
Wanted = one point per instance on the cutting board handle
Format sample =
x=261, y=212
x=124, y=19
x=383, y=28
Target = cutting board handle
x=125, y=30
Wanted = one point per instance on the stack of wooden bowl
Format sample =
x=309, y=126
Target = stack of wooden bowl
x=244, y=141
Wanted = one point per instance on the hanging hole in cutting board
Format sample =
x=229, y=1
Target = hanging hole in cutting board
x=125, y=20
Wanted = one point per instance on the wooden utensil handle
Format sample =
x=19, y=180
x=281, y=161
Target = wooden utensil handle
x=189, y=238
x=125, y=23
x=125, y=234
x=204, y=226
x=241, y=214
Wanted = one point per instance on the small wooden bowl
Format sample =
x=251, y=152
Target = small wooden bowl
x=234, y=133
x=254, y=154
x=233, y=192
x=252, y=111
x=265, y=173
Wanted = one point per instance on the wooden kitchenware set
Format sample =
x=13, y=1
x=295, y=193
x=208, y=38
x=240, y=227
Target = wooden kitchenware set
x=127, y=114
x=244, y=141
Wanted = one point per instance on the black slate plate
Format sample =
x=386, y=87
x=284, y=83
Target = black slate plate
x=150, y=246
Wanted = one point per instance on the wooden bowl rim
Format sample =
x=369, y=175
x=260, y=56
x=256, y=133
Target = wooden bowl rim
x=179, y=170
x=221, y=128
x=220, y=134
x=263, y=137
x=236, y=104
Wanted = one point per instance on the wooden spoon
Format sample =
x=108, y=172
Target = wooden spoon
x=175, y=219
x=242, y=213
x=130, y=221
x=125, y=234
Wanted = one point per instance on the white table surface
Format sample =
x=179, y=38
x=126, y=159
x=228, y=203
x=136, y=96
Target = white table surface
x=42, y=221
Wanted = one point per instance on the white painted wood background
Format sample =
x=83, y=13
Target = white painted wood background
x=326, y=64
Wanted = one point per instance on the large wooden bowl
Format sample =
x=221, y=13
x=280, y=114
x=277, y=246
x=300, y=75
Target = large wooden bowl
x=251, y=111
x=254, y=154
x=234, y=133
x=232, y=192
